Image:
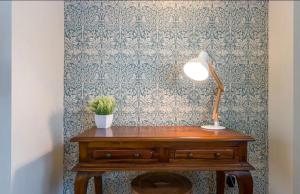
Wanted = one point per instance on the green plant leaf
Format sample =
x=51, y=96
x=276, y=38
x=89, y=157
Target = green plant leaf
x=102, y=105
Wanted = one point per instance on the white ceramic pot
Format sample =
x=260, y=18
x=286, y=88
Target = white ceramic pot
x=103, y=121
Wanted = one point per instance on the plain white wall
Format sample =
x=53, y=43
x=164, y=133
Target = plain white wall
x=37, y=97
x=281, y=90
x=5, y=95
x=296, y=97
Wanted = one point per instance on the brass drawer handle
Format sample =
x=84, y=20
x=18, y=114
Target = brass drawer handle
x=217, y=155
x=108, y=155
x=136, y=155
x=190, y=155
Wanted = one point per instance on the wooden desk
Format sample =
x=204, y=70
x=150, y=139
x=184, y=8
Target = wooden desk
x=162, y=149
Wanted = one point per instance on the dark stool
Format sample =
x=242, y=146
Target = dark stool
x=161, y=183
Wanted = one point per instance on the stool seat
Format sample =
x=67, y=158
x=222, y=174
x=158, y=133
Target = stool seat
x=161, y=183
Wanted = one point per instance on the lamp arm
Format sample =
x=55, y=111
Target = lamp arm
x=220, y=90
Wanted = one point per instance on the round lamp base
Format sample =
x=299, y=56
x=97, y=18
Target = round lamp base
x=213, y=127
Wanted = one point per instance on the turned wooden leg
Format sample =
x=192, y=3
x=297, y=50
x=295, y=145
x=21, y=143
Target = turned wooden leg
x=244, y=180
x=81, y=183
x=98, y=184
x=220, y=182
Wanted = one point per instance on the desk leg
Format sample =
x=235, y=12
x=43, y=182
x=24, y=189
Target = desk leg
x=81, y=183
x=98, y=184
x=220, y=182
x=244, y=180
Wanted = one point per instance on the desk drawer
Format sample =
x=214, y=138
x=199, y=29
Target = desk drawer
x=122, y=154
x=214, y=154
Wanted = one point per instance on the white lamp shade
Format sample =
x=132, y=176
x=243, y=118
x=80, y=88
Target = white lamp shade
x=203, y=56
x=197, y=68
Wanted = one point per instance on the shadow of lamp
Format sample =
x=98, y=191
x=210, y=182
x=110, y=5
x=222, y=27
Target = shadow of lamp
x=199, y=69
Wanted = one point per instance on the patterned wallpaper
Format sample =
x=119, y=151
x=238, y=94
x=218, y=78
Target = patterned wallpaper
x=135, y=51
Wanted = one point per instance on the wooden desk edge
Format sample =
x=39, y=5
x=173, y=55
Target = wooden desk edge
x=80, y=167
x=167, y=139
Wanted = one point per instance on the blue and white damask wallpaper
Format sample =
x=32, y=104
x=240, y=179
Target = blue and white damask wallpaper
x=135, y=51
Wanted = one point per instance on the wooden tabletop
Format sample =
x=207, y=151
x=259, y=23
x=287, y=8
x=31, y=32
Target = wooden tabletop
x=160, y=133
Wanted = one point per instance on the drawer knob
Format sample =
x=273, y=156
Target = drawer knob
x=190, y=155
x=217, y=155
x=108, y=155
x=136, y=155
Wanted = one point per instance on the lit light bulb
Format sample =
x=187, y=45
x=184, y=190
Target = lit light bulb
x=196, y=69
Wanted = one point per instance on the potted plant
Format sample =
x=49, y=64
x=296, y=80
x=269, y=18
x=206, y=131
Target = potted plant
x=103, y=107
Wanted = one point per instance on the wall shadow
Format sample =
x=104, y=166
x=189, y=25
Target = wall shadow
x=44, y=175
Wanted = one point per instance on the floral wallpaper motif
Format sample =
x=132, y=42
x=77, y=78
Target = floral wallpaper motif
x=135, y=51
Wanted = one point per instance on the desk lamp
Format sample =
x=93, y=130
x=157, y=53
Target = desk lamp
x=199, y=69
